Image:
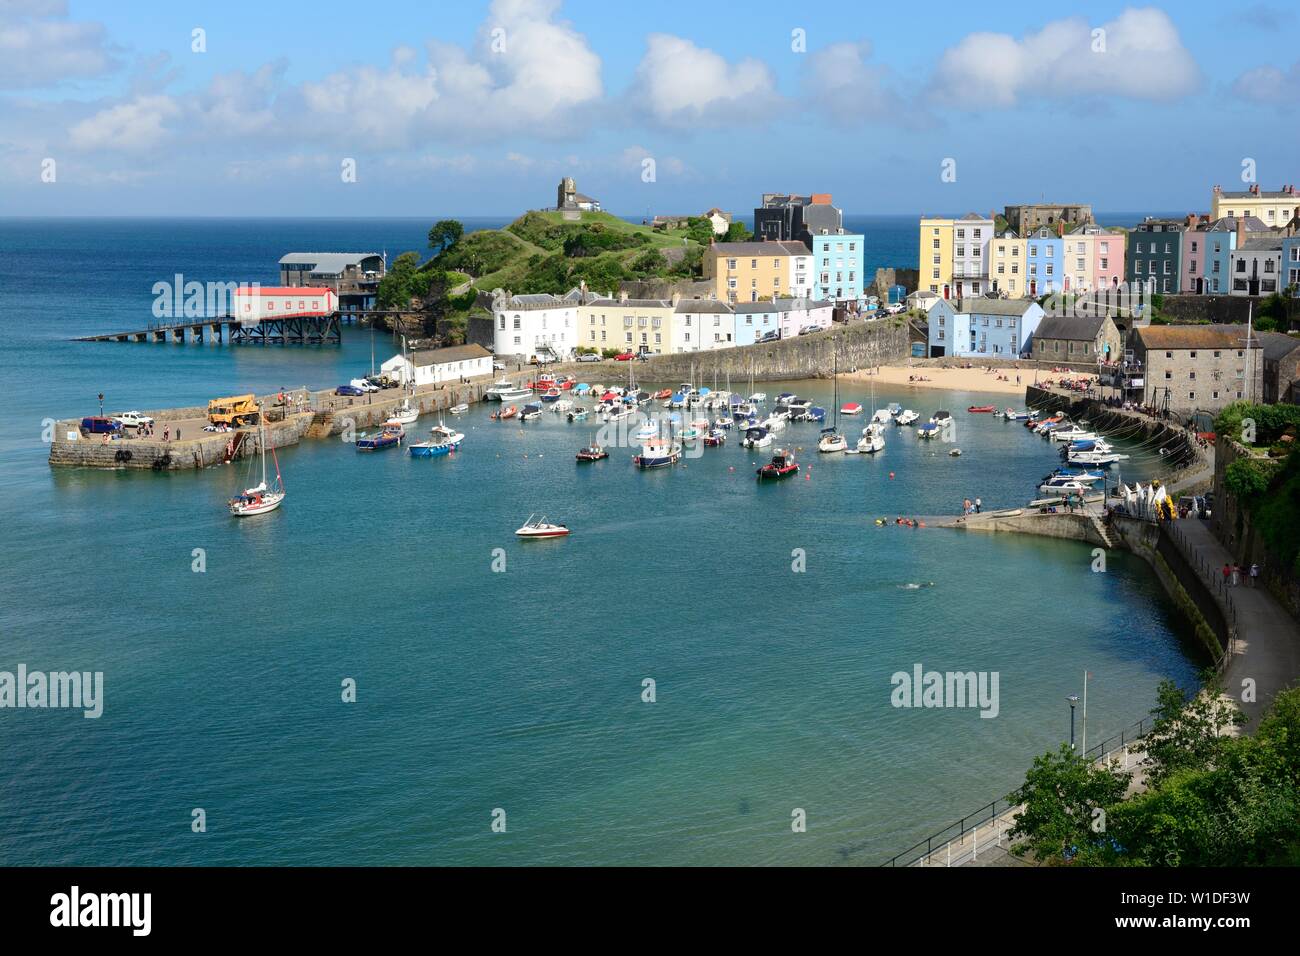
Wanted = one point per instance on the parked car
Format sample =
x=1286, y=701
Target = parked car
x=773, y=336
x=809, y=329
x=349, y=390
x=381, y=381
x=99, y=426
x=624, y=356
x=589, y=357
x=362, y=384
x=498, y=366
x=132, y=419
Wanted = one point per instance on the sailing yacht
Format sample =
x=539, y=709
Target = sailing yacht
x=261, y=498
x=832, y=440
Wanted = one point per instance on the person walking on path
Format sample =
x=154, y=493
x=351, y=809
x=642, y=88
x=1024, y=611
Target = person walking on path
x=1236, y=575
x=1254, y=575
x=1227, y=573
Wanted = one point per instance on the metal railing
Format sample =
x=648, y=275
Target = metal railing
x=990, y=812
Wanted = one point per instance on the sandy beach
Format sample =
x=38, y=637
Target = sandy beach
x=950, y=379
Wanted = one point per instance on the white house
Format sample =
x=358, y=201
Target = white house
x=702, y=324
x=433, y=366
x=532, y=327
x=1256, y=267
x=982, y=326
x=802, y=277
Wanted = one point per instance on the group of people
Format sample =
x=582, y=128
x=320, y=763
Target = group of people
x=969, y=507
x=1233, y=573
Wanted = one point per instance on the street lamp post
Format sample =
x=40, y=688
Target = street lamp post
x=1073, y=699
x=101, y=404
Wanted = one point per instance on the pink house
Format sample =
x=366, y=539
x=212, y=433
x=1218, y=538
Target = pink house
x=1108, y=259
x=1192, y=277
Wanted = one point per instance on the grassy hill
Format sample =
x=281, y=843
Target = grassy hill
x=553, y=252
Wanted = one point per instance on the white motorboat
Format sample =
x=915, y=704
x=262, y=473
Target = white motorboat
x=872, y=440
x=756, y=437
x=774, y=423
x=1072, y=434
x=758, y=398
x=261, y=498
x=562, y=406
x=514, y=394
x=536, y=527
x=531, y=412
x=1095, y=458
x=493, y=392
x=881, y=416
x=1070, y=486
x=906, y=417
x=460, y=409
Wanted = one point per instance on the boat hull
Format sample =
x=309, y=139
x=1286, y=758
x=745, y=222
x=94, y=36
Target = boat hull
x=247, y=510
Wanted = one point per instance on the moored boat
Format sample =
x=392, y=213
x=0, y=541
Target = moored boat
x=781, y=466
x=657, y=453
x=531, y=412
x=262, y=497
x=405, y=414
x=981, y=409
x=906, y=417
x=592, y=452
x=442, y=441
x=460, y=409
x=390, y=436
x=510, y=411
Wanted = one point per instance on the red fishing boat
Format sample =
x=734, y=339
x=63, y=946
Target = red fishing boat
x=509, y=411
x=981, y=408
x=663, y=393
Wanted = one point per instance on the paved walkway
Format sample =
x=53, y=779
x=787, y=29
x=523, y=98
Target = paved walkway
x=1267, y=647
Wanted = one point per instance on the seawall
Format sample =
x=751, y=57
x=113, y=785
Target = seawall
x=857, y=345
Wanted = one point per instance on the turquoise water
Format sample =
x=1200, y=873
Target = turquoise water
x=519, y=690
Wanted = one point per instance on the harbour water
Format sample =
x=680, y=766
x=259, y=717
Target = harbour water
x=518, y=689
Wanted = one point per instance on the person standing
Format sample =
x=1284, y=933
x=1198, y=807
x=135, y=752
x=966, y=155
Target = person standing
x=1236, y=575
x=979, y=505
x=1254, y=575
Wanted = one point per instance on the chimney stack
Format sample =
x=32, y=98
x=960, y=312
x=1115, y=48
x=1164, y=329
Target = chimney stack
x=1241, y=230
x=677, y=297
x=622, y=295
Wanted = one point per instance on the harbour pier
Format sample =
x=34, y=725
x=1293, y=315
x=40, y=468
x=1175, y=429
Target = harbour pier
x=290, y=417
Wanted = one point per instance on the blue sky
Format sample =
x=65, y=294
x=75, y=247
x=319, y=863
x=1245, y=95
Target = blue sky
x=479, y=108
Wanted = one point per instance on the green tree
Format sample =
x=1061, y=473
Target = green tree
x=445, y=234
x=737, y=232
x=395, y=288
x=1059, y=796
x=1188, y=729
x=699, y=229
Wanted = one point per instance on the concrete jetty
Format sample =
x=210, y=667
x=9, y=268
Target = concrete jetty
x=290, y=417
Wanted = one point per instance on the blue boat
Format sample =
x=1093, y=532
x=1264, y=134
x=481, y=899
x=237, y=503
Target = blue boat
x=442, y=441
x=390, y=437
x=816, y=414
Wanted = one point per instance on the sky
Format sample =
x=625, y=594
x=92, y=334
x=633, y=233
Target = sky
x=151, y=108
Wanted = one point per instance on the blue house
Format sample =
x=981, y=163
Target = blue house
x=1291, y=264
x=1044, y=258
x=837, y=267
x=982, y=327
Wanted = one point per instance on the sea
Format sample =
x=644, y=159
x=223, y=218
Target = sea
x=380, y=673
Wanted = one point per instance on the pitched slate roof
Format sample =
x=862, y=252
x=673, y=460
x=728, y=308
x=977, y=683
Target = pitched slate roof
x=760, y=249
x=327, y=263
x=1194, y=336
x=983, y=306
x=456, y=353
x=1070, y=328
x=1278, y=345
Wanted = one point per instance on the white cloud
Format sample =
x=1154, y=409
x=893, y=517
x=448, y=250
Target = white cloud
x=839, y=81
x=1139, y=55
x=528, y=73
x=680, y=84
x=1268, y=84
x=37, y=51
x=134, y=125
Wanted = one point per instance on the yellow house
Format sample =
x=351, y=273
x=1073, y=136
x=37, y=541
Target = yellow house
x=629, y=325
x=1273, y=209
x=750, y=271
x=1007, y=269
x=935, y=259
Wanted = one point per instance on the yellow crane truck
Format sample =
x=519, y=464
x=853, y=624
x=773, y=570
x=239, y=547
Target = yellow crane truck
x=236, y=411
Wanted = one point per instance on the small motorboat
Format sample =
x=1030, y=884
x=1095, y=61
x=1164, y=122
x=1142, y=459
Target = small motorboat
x=715, y=438
x=510, y=411
x=906, y=417
x=532, y=411
x=657, y=453
x=592, y=452
x=460, y=409
x=894, y=409
x=940, y=417
x=781, y=466
x=756, y=437
x=563, y=406
x=536, y=527
x=759, y=397
x=442, y=441
x=872, y=440
x=928, y=430
x=579, y=414
x=981, y=409
x=1012, y=415
x=815, y=414
x=390, y=436
x=551, y=394
x=722, y=423
x=663, y=393
x=955, y=453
